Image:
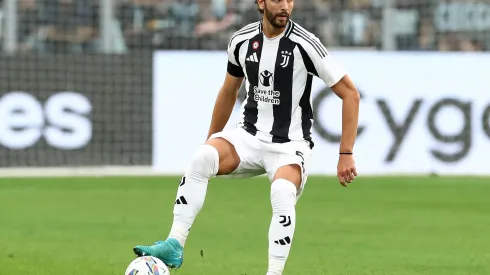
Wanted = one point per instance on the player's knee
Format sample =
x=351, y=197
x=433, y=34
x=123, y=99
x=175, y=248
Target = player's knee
x=283, y=195
x=204, y=162
x=290, y=172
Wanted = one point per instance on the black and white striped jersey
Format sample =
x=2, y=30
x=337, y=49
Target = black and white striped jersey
x=279, y=73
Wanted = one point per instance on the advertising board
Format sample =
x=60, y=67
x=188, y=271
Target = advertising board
x=420, y=112
x=75, y=110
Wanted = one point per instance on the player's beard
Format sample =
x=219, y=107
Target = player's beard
x=275, y=20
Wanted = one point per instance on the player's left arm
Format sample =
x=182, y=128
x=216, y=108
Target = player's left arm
x=347, y=91
x=332, y=73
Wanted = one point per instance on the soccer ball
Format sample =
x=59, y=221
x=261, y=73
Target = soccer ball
x=147, y=265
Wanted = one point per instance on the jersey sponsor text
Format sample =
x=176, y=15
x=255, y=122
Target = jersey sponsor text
x=267, y=96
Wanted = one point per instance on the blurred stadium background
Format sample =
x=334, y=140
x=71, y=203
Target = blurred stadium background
x=102, y=50
x=77, y=97
x=121, y=26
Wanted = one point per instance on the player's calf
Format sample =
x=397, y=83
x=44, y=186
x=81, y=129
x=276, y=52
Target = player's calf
x=192, y=191
x=281, y=230
x=190, y=199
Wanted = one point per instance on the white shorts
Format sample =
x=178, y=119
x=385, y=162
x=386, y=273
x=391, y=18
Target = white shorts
x=259, y=157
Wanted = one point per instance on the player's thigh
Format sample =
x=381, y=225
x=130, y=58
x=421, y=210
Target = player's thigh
x=288, y=161
x=240, y=155
x=228, y=156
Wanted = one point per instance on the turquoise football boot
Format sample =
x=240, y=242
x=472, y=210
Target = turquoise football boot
x=170, y=252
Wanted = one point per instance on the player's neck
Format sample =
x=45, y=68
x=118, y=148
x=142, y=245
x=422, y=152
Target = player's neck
x=269, y=30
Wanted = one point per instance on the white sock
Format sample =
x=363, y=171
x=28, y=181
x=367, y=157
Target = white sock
x=192, y=191
x=281, y=230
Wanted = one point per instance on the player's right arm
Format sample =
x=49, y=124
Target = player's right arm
x=224, y=103
x=228, y=93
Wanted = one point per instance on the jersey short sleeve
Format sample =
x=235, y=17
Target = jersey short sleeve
x=234, y=68
x=326, y=67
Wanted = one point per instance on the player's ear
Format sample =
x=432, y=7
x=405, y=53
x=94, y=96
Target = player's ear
x=260, y=5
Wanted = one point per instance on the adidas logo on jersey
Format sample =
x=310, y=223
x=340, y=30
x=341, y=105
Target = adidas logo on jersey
x=253, y=58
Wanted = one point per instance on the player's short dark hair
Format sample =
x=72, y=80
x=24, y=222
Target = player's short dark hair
x=259, y=9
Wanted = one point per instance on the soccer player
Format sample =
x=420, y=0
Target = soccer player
x=278, y=58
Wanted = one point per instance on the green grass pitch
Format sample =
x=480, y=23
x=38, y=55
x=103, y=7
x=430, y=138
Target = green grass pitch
x=379, y=226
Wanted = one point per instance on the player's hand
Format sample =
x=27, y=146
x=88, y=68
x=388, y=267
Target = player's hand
x=346, y=169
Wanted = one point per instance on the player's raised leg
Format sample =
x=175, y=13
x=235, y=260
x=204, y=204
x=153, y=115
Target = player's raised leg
x=216, y=157
x=284, y=189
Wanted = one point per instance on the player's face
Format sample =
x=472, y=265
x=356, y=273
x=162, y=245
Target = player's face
x=277, y=12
